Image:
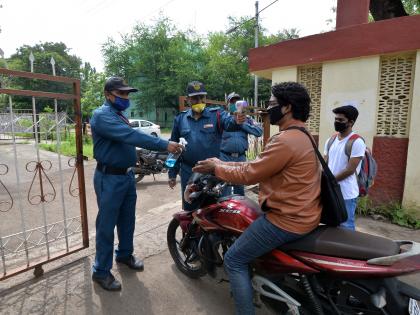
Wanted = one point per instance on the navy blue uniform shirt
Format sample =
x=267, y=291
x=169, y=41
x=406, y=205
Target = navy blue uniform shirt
x=203, y=135
x=237, y=141
x=115, y=142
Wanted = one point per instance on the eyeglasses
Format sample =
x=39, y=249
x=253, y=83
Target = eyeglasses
x=270, y=104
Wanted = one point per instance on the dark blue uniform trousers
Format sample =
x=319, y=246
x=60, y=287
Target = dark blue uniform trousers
x=116, y=196
x=237, y=189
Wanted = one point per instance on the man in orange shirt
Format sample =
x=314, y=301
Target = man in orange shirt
x=290, y=184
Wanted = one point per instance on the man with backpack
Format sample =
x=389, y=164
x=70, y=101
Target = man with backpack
x=344, y=152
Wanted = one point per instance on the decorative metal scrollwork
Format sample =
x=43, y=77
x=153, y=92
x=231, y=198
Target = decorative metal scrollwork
x=40, y=168
x=5, y=205
x=74, y=190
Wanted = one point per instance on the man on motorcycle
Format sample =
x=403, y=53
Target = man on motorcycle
x=290, y=183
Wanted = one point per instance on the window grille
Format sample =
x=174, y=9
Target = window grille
x=395, y=90
x=311, y=78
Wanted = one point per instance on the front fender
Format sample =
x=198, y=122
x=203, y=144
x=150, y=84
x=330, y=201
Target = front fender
x=184, y=218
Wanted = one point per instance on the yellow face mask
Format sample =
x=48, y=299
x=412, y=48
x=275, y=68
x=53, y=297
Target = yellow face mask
x=198, y=108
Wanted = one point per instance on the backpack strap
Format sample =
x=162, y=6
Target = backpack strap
x=330, y=142
x=349, y=144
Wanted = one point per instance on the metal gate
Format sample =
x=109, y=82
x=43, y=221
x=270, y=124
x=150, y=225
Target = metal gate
x=43, y=213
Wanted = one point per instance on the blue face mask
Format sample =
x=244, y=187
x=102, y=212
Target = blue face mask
x=121, y=103
x=232, y=107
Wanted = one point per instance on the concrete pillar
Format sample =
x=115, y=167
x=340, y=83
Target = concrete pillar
x=411, y=195
x=351, y=12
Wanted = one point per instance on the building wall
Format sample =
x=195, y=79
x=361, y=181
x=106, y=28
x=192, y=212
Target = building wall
x=412, y=179
x=357, y=80
x=282, y=75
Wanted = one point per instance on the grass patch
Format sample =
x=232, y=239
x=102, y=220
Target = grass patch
x=393, y=211
x=68, y=147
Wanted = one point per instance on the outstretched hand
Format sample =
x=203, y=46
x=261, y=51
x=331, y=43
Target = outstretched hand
x=174, y=147
x=240, y=118
x=207, y=166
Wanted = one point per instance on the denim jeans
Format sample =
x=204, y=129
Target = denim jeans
x=351, y=205
x=258, y=239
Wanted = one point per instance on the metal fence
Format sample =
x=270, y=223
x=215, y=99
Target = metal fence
x=20, y=125
x=42, y=194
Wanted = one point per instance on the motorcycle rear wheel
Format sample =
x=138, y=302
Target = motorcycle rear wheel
x=187, y=261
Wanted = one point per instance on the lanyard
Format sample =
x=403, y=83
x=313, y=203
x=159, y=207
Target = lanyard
x=123, y=118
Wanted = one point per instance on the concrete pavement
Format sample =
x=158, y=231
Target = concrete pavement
x=66, y=287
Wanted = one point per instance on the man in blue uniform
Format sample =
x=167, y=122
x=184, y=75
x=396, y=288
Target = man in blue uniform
x=202, y=128
x=114, y=143
x=235, y=143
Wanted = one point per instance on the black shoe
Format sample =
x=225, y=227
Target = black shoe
x=132, y=262
x=109, y=283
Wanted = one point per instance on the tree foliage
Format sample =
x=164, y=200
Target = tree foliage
x=160, y=60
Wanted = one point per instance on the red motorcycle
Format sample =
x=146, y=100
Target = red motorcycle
x=329, y=271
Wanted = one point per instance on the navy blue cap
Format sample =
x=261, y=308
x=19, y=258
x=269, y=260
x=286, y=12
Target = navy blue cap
x=117, y=83
x=196, y=88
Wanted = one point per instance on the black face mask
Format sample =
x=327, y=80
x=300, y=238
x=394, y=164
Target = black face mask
x=275, y=114
x=340, y=126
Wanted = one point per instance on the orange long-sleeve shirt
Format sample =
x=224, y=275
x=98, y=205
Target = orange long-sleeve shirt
x=290, y=180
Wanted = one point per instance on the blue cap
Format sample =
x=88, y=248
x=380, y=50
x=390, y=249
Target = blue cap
x=196, y=88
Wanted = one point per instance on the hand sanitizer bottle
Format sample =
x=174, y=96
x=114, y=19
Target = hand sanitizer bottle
x=173, y=157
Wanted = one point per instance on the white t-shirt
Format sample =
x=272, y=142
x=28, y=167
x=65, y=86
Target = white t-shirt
x=338, y=160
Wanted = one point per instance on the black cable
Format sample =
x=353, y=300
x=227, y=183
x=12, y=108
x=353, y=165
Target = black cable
x=311, y=295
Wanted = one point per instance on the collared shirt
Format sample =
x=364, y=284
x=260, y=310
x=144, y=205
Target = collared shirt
x=203, y=135
x=237, y=141
x=289, y=175
x=115, y=142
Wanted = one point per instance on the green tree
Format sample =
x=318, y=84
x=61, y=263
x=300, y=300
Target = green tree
x=157, y=59
x=160, y=60
x=227, y=58
x=93, y=94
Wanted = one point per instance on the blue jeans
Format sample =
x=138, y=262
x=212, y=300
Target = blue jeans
x=351, y=205
x=116, y=196
x=258, y=239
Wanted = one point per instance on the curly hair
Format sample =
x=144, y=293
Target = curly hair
x=295, y=94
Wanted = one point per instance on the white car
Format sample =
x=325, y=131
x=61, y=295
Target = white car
x=145, y=126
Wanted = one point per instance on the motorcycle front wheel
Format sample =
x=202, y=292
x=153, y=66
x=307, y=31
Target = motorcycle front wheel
x=187, y=260
x=137, y=175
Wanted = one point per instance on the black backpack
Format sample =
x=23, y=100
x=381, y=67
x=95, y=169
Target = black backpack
x=333, y=207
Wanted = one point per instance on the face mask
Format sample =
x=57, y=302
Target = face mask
x=340, y=126
x=198, y=108
x=120, y=103
x=275, y=114
x=232, y=107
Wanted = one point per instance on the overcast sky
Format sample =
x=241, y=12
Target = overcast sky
x=84, y=25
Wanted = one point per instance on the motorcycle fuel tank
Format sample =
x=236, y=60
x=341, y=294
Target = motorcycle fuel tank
x=232, y=213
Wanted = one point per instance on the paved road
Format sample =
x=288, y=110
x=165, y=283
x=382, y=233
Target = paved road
x=66, y=286
x=151, y=194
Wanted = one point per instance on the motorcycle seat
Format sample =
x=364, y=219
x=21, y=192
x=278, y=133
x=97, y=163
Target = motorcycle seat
x=343, y=243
